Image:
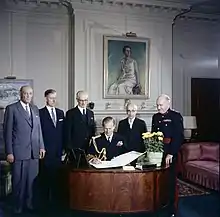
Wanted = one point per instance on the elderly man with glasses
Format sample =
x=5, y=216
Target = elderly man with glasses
x=79, y=124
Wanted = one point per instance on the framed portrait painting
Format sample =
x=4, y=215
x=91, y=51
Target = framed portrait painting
x=10, y=90
x=126, y=67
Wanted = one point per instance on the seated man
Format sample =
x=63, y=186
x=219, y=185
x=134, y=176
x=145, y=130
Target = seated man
x=107, y=145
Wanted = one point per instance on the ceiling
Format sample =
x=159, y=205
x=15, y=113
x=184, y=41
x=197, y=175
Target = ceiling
x=199, y=6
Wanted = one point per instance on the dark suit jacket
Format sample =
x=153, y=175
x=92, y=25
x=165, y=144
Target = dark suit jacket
x=133, y=137
x=78, y=131
x=112, y=150
x=171, y=125
x=22, y=134
x=52, y=135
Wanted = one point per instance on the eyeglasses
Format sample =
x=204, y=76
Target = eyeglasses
x=82, y=100
x=131, y=110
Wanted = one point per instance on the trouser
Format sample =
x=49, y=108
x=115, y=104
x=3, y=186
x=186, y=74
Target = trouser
x=172, y=183
x=50, y=186
x=24, y=180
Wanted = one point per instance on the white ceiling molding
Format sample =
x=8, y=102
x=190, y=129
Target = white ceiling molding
x=50, y=7
x=159, y=8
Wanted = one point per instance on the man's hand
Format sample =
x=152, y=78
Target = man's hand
x=169, y=159
x=10, y=158
x=42, y=153
x=95, y=161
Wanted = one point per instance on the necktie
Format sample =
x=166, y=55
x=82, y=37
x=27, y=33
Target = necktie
x=53, y=116
x=27, y=110
x=84, y=115
x=84, y=112
x=109, y=139
x=130, y=123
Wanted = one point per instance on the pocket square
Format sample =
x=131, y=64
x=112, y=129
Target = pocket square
x=61, y=119
x=120, y=143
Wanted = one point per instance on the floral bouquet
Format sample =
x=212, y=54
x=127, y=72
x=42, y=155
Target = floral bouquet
x=153, y=143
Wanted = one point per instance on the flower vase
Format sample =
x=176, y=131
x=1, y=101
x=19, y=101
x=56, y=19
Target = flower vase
x=155, y=158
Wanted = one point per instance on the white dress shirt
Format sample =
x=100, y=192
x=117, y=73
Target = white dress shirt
x=49, y=108
x=24, y=105
x=81, y=110
x=109, y=138
x=131, y=121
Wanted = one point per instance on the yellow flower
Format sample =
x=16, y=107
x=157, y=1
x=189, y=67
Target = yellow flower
x=160, y=138
x=146, y=135
x=159, y=133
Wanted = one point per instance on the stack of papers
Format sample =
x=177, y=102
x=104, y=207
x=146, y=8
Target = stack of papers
x=119, y=161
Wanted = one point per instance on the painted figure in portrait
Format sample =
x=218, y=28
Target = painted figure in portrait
x=126, y=68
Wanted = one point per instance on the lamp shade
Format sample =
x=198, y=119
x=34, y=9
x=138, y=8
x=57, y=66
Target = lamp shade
x=189, y=122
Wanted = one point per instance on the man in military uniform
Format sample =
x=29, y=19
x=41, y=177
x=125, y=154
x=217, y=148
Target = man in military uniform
x=107, y=145
x=170, y=123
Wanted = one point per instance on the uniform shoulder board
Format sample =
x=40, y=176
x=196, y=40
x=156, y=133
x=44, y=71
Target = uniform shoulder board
x=175, y=110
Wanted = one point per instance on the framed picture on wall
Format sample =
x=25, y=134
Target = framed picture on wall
x=10, y=90
x=126, y=67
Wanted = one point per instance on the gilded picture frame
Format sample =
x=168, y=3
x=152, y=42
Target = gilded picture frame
x=126, y=67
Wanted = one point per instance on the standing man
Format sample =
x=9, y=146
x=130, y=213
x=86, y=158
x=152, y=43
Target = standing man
x=24, y=146
x=132, y=128
x=79, y=124
x=170, y=123
x=52, y=120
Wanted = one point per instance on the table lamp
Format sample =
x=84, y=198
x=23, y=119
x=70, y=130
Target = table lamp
x=189, y=123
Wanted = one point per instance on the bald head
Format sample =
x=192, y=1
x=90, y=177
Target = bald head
x=26, y=94
x=163, y=103
x=131, y=110
x=82, y=98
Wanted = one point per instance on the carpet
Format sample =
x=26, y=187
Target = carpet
x=187, y=189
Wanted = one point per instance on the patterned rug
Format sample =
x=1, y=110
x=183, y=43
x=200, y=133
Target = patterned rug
x=187, y=189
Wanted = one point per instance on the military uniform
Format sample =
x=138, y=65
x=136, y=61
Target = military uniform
x=171, y=125
x=103, y=149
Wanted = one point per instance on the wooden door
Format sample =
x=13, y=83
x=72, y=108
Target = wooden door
x=205, y=105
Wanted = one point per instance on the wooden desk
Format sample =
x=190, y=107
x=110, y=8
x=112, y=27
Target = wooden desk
x=118, y=191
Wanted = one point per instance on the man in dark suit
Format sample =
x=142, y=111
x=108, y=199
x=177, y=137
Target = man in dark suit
x=79, y=124
x=132, y=128
x=107, y=145
x=24, y=146
x=170, y=123
x=52, y=120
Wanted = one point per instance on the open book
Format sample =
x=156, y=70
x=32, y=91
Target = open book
x=119, y=161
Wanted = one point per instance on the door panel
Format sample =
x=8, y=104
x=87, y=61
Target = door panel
x=205, y=102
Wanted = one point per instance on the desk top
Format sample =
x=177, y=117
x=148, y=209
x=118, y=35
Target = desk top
x=118, y=170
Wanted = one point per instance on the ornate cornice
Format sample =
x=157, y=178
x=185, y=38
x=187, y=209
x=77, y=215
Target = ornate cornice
x=157, y=8
x=139, y=4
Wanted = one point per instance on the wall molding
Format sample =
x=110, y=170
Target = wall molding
x=140, y=7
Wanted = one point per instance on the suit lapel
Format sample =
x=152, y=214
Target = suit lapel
x=89, y=116
x=127, y=125
x=33, y=116
x=24, y=113
x=134, y=123
x=49, y=117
